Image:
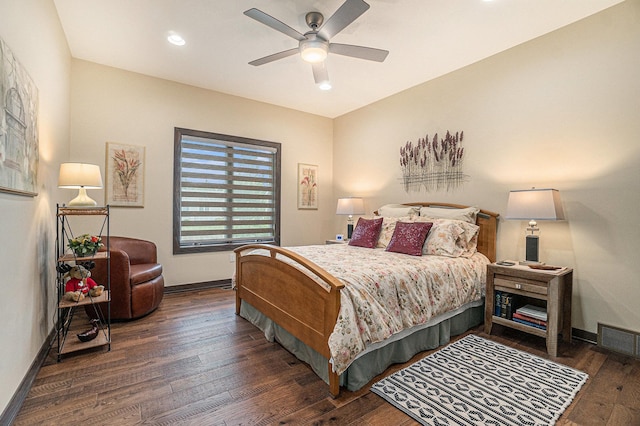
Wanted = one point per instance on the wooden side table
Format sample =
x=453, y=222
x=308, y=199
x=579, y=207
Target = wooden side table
x=552, y=287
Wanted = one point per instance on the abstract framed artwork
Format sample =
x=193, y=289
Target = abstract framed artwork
x=124, y=182
x=18, y=127
x=307, y=187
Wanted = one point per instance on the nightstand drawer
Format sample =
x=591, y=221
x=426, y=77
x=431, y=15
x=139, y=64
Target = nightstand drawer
x=522, y=284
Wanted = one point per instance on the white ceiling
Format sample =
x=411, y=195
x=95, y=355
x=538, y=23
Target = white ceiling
x=425, y=38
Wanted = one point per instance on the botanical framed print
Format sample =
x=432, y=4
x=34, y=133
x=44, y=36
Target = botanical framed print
x=124, y=181
x=307, y=186
x=18, y=127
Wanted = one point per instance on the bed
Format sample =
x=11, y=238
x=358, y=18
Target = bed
x=303, y=306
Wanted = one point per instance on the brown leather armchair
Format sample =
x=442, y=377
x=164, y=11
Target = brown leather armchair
x=137, y=284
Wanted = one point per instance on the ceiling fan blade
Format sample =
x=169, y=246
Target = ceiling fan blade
x=320, y=73
x=272, y=22
x=274, y=57
x=361, y=52
x=346, y=14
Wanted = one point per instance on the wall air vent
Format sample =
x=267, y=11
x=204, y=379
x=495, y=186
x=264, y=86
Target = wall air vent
x=619, y=340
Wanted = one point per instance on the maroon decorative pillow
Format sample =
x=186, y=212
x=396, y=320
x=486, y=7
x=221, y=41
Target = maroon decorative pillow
x=408, y=238
x=366, y=233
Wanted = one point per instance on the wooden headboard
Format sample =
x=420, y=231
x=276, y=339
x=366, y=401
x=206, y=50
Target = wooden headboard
x=486, y=220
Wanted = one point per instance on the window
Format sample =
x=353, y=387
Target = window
x=226, y=192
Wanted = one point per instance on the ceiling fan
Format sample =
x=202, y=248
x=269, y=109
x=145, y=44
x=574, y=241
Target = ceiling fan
x=315, y=45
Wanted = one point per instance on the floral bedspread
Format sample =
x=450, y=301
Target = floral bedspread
x=387, y=292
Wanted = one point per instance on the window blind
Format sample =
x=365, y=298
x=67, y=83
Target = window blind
x=228, y=192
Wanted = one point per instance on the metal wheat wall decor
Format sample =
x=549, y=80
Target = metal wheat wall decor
x=433, y=164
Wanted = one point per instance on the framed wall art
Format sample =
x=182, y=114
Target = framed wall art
x=18, y=127
x=307, y=187
x=124, y=180
x=433, y=164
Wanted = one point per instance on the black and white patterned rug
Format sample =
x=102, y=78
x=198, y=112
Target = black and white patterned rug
x=475, y=381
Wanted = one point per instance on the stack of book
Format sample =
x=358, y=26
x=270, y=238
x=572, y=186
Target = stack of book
x=503, y=305
x=533, y=316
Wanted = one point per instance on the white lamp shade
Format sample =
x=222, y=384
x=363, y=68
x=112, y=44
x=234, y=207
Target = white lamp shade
x=79, y=175
x=350, y=206
x=536, y=204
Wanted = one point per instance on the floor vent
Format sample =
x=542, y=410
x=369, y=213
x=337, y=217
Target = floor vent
x=619, y=340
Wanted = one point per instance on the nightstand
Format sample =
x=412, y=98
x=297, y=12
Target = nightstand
x=548, y=289
x=336, y=242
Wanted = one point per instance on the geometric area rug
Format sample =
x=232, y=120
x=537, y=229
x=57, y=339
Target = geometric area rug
x=475, y=381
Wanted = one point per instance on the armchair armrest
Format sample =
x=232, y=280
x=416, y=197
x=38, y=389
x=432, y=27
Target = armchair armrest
x=120, y=271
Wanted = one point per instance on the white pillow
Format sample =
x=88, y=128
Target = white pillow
x=388, y=227
x=398, y=210
x=450, y=237
x=468, y=214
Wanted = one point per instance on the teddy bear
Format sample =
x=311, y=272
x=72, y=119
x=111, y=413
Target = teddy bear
x=80, y=284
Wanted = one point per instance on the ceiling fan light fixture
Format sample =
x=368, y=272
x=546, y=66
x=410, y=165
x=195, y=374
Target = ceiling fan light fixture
x=314, y=50
x=324, y=85
x=314, y=45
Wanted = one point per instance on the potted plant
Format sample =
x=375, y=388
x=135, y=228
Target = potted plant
x=85, y=245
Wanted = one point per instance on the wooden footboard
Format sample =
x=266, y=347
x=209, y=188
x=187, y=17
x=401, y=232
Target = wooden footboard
x=295, y=293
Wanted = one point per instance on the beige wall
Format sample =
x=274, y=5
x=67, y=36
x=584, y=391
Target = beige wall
x=112, y=105
x=560, y=111
x=27, y=308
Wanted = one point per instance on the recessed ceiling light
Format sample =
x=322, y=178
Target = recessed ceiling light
x=176, y=39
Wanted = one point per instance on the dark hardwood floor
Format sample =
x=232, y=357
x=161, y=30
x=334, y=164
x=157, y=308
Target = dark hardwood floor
x=194, y=362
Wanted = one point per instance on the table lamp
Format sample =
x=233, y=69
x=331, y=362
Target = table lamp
x=534, y=204
x=350, y=206
x=82, y=177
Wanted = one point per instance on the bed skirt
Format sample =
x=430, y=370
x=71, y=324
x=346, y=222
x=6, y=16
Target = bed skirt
x=377, y=359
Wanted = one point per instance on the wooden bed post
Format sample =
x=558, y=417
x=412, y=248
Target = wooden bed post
x=238, y=279
x=334, y=382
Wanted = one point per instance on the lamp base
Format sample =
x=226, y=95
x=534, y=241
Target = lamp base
x=531, y=248
x=82, y=200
